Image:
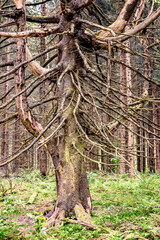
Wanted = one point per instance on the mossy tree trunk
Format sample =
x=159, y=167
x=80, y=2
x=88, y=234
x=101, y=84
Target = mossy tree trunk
x=73, y=196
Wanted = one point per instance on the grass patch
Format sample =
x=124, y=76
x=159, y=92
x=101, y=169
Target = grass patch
x=123, y=208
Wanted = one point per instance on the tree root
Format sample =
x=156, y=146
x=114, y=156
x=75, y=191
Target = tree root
x=87, y=224
x=81, y=214
x=58, y=217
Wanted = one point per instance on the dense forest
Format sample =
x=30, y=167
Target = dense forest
x=79, y=92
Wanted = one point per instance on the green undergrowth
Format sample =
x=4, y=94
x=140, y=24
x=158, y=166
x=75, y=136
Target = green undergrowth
x=123, y=208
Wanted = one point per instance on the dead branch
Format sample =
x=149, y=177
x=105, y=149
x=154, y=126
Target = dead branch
x=29, y=85
x=29, y=60
x=126, y=35
x=43, y=19
x=32, y=143
x=97, y=26
x=86, y=65
x=31, y=33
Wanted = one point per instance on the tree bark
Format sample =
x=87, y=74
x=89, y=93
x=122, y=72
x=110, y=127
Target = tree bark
x=73, y=196
x=42, y=152
x=18, y=143
x=123, y=132
x=157, y=122
x=148, y=88
x=150, y=135
x=130, y=136
x=5, y=137
x=138, y=143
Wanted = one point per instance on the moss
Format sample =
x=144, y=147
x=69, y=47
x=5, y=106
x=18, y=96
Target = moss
x=67, y=153
x=81, y=214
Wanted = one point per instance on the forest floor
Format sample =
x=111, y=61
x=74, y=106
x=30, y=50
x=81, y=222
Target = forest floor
x=123, y=208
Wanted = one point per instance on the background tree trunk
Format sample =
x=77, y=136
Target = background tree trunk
x=5, y=136
x=150, y=135
x=42, y=152
x=130, y=136
x=123, y=131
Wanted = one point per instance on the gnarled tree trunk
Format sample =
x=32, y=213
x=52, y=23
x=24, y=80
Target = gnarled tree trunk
x=73, y=196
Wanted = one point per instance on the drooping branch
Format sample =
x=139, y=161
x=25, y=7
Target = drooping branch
x=83, y=133
x=9, y=90
x=83, y=58
x=130, y=67
x=7, y=119
x=131, y=110
x=39, y=137
x=29, y=60
x=50, y=59
x=22, y=91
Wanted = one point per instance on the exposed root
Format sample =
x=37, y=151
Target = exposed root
x=87, y=224
x=81, y=214
x=58, y=217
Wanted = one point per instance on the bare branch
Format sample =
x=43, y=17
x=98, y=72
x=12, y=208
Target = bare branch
x=30, y=60
x=31, y=33
x=29, y=85
x=43, y=19
x=34, y=141
x=83, y=58
x=126, y=35
x=97, y=26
